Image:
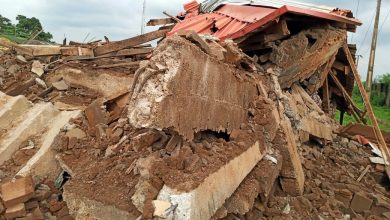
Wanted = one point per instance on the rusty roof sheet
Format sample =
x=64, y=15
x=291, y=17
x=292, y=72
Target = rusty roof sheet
x=211, y=5
x=234, y=20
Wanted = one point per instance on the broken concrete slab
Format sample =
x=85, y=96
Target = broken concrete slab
x=292, y=174
x=37, y=68
x=316, y=128
x=61, y=85
x=202, y=202
x=17, y=191
x=76, y=133
x=15, y=211
x=189, y=96
x=257, y=184
x=303, y=56
x=43, y=163
x=361, y=203
x=160, y=208
x=32, y=122
x=11, y=108
x=100, y=81
x=84, y=208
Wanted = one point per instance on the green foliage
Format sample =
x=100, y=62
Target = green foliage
x=385, y=79
x=377, y=101
x=378, y=98
x=24, y=29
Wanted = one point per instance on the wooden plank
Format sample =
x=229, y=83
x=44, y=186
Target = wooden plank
x=161, y=21
x=326, y=96
x=322, y=75
x=196, y=39
x=171, y=16
x=16, y=47
x=366, y=99
x=364, y=130
x=346, y=96
x=43, y=50
x=308, y=100
x=134, y=51
x=119, y=45
x=123, y=64
x=76, y=51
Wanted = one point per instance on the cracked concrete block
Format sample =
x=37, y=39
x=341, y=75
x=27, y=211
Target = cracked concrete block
x=190, y=95
x=203, y=202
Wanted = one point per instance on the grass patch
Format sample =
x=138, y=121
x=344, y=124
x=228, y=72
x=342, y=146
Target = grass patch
x=381, y=112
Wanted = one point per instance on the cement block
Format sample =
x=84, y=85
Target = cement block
x=31, y=123
x=203, y=202
x=87, y=209
x=361, y=203
x=43, y=163
x=11, y=108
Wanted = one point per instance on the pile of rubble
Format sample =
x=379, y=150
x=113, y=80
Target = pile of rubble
x=229, y=117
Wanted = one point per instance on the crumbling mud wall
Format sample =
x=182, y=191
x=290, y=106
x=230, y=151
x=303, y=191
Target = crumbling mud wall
x=183, y=88
x=303, y=54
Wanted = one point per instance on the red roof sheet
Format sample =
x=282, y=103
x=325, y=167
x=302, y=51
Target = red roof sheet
x=234, y=21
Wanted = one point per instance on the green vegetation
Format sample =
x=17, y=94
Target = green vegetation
x=377, y=101
x=24, y=30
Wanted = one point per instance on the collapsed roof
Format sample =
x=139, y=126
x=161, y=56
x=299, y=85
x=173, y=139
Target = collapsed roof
x=232, y=19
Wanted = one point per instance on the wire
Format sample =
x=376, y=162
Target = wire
x=356, y=15
x=368, y=29
x=380, y=29
x=387, y=16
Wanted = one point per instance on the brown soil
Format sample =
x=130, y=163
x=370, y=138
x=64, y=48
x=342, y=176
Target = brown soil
x=19, y=159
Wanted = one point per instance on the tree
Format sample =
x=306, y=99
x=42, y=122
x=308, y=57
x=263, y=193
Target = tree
x=5, y=24
x=29, y=26
x=384, y=79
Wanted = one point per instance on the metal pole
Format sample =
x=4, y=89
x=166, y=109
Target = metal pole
x=143, y=18
x=370, y=71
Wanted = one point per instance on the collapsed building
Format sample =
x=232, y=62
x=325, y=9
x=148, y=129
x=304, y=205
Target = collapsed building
x=230, y=116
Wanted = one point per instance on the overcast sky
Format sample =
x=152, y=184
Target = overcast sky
x=120, y=19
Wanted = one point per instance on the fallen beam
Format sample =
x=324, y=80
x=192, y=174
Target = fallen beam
x=161, y=21
x=364, y=130
x=123, y=64
x=202, y=202
x=134, y=51
x=366, y=99
x=119, y=45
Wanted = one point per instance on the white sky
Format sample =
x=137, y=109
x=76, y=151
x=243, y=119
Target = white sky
x=120, y=19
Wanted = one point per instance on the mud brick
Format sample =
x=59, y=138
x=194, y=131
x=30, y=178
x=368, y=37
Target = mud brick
x=16, y=211
x=19, y=191
x=361, y=203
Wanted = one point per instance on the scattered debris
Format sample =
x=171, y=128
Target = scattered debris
x=228, y=117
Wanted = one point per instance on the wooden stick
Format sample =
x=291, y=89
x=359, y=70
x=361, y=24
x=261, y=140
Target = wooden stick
x=378, y=133
x=345, y=94
x=364, y=173
x=326, y=97
x=171, y=16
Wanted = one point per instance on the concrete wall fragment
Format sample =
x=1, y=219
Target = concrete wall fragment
x=184, y=88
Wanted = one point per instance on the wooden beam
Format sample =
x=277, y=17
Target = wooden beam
x=326, y=96
x=43, y=50
x=345, y=94
x=162, y=21
x=134, y=41
x=171, y=16
x=366, y=99
x=134, y=51
x=123, y=64
x=76, y=51
x=16, y=47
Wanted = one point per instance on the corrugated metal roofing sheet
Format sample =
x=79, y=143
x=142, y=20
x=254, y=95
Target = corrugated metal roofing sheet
x=211, y=5
x=234, y=19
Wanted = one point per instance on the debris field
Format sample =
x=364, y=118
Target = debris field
x=230, y=115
